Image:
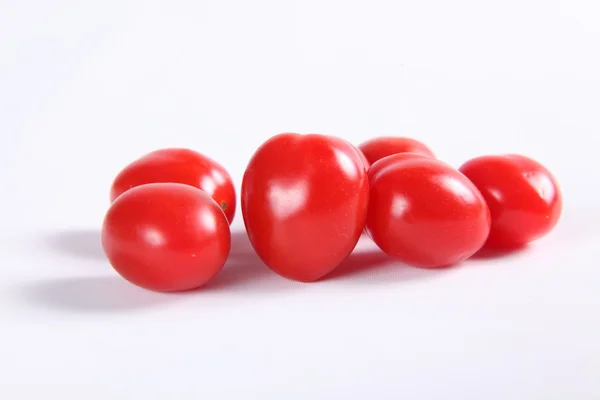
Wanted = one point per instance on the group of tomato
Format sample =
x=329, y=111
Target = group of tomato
x=306, y=200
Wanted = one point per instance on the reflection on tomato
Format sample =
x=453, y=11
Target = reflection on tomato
x=166, y=236
x=378, y=148
x=424, y=212
x=304, y=202
x=179, y=166
x=524, y=198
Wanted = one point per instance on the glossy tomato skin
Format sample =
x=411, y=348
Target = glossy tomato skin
x=179, y=166
x=304, y=203
x=426, y=213
x=524, y=198
x=166, y=236
x=378, y=148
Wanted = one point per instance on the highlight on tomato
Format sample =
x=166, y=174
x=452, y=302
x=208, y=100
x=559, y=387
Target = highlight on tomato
x=304, y=203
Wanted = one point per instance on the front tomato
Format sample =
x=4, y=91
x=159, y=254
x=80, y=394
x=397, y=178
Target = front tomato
x=424, y=212
x=304, y=203
x=166, y=236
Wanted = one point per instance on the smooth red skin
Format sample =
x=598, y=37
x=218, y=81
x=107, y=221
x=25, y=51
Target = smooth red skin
x=179, y=166
x=524, y=198
x=426, y=213
x=378, y=148
x=166, y=237
x=304, y=202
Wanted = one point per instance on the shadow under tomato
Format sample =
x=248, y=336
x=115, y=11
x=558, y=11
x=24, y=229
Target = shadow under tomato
x=372, y=266
x=91, y=294
x=81, y=243
x=361, y=263
x=486, y=253
x=245, y=271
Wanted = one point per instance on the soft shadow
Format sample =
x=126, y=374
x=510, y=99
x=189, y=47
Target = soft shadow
x=375, y=267
x=241, y=248
x=79, y=243
x=245, y=271
x=97, y=294
x=486, y=254
x=361, y=263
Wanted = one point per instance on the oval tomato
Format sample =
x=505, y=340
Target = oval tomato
x=166, y=236
x=378, y=148
x=179, y=166
x=304, y=203
x=524, y=198
x=425, y=213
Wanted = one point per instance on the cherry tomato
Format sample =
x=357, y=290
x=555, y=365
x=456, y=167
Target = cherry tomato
x=179, y=166
x=524, y=198
x=166, y=236
x=378, y=148
x=393, y=159
x=304, y=202
x=425, y=213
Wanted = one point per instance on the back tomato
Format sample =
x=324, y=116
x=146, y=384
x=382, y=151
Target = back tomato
x=378, y=148
x=523, y=196
x=393, y=160
x=179, y=166
x=424, y=212
x=304, y=202
x=166, y=236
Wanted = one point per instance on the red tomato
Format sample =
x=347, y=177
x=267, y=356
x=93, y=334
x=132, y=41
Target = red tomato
x=524, y=198
x=425, y=213
x=378, y=148
x=304, y=202
x=166, y=236
x=392, y=160
x=179, y=166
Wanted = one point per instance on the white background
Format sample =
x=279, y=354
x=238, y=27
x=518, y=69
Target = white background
x=86, y=87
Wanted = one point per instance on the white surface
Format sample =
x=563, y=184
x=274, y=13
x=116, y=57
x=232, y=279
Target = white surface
x=86, y=87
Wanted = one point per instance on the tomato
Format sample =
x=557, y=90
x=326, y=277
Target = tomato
x=304, y=203
x=425, y=213
x=179, y=166
x=166, y=236
x=524, y=198
x=378, y=148
x=393, y=159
